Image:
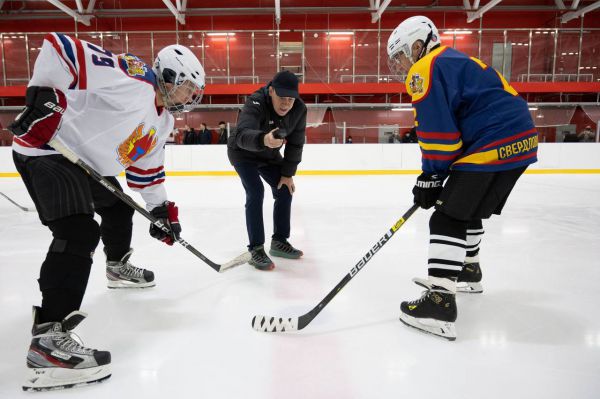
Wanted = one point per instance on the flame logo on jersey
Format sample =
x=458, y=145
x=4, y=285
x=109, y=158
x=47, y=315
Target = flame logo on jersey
x=416, y=84
x=132, y=65
x=137, y=145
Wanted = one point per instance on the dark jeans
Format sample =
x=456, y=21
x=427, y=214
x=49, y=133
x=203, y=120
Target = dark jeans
x=250, y=174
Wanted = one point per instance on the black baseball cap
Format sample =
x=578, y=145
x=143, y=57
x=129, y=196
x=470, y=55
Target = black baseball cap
x=285, y=84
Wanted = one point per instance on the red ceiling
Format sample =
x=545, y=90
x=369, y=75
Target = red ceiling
x=150, y=4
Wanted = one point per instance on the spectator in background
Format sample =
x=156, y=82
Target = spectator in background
x=222, y=133
x=410, y=136
x=349, y=140
x=171, y=138
x=179, y=136
x=587, y=135
x=204, y=136
x=569, y=137
x=189, y=135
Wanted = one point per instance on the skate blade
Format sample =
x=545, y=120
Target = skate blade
x=128, y=285
x=441, y=329
x=469, y=288
x=54, y=378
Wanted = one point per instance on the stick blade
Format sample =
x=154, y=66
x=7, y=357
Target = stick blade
x=237, y=261
x=274, y=324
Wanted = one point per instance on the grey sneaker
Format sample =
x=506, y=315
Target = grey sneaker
x=284, y=249
x=122, y=274
x=260, y=260
x=57, y=361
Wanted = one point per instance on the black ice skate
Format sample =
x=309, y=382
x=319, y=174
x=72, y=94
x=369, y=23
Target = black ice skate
x=56, y=361
x=435, y=312
x=122, y=274
x=260, y=260
x=469, y=279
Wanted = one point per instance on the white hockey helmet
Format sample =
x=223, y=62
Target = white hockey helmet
x=406, y=34
x=177, y=65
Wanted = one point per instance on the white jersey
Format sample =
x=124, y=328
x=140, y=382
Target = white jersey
x=111, y=120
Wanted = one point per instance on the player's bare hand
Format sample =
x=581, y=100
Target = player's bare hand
x=270, y=140
x=288, y=182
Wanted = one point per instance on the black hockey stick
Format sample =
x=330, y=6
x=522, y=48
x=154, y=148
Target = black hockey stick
x=71, y=156
x=281, y=324
x=23, y=208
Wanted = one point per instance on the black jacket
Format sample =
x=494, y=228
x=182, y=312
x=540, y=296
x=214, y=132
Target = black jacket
x=258, y=118
x=189, y=136
x=204, y=137
x=222, y=133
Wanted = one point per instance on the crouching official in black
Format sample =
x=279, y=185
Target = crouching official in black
x=271, y=116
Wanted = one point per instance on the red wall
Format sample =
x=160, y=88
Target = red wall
x=443, y=20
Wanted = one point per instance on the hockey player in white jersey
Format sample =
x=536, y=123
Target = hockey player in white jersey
x=114, y=112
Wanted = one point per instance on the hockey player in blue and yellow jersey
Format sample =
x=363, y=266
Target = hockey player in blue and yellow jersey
x=476, y=134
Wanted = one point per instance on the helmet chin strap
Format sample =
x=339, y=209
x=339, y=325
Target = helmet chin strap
x=424, y=49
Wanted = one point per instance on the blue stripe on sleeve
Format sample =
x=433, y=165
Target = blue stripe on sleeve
x=68, y=48
x=148, y=179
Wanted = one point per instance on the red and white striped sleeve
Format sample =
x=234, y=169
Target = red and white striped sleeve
x=61, y=63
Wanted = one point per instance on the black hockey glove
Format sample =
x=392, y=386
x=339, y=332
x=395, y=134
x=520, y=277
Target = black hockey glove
x=40, y=119
x=168, y=214
x=427, y=190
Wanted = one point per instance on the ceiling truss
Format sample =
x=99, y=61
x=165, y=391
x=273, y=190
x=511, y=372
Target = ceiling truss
x=578, y=13
x=78, y=15
x=178, y=10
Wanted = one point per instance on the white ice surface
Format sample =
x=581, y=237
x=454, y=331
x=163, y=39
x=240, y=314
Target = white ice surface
x=533, y=333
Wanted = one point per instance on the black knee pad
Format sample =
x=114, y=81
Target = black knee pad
x=69, y=259
x=119, y=213
x=76, y=235
x=442, y=224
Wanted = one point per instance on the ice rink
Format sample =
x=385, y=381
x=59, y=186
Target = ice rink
x=533, y=333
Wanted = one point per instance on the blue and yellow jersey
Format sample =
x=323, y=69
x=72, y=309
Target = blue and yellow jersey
x=467, y=116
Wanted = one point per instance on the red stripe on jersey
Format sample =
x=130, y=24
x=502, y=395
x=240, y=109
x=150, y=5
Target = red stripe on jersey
x=438, y=135
x=507, y=139
x=139, y=171
x=81, y=61
x=440, y=157
x=133, y=185
x=22, y=143
x=50, y=37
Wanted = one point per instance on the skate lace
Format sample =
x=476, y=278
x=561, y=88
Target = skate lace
x=424, y=296
x=68, y=342
x=131, y=271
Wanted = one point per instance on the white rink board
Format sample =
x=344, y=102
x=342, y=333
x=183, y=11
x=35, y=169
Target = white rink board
x=353, y=157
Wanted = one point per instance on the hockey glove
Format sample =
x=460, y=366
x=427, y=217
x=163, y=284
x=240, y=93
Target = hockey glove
x=427, y=190
x=37, y=123
x=168, y=214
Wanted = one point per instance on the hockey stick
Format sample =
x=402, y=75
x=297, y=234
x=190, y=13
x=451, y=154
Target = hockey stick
x=280, y=324
x=17, y=205
x=71, y=156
